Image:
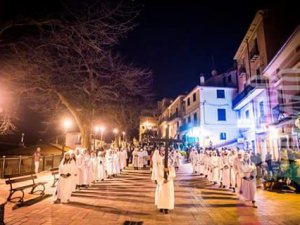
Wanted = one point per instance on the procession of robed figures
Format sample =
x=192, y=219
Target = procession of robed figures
x=226, y=168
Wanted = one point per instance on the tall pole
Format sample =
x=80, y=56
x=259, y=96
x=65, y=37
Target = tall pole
x=166, y=154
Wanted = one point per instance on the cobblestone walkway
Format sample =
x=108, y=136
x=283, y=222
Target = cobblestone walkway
x=131, y=196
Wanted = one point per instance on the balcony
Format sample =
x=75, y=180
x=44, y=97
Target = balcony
x=256, y=86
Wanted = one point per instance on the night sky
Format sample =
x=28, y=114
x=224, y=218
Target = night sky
x=175, y=39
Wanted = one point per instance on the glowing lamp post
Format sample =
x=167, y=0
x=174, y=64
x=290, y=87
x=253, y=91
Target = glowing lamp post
x=116, y=131
x=102, y=129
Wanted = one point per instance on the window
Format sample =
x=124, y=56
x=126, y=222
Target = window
x=189, y=119
x=188, y=101
x=247, y=114
x=194, y=97
x=261, y=109
x=195, y=117
x=257, y=71
x=177, y=124
x=220, y=94
x=221, y=115
x=222, y=136
x=176, y=113
x=229, y=79
x=239, y=114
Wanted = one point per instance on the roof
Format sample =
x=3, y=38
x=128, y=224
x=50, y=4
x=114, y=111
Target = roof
x=250, y=32
x=195, y=88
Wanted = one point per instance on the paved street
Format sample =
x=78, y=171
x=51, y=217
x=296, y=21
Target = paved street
x=131, y=195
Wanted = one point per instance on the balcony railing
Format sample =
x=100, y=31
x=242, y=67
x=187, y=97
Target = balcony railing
x=258, y=82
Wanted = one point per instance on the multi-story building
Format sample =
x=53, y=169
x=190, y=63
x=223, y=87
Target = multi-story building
x=209, y=119
x=171, y=117
x=189, y=130
x=261, y=42
x=283, y=73
x=176, y=113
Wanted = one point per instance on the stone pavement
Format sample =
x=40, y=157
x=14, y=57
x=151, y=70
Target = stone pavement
x=131, y=196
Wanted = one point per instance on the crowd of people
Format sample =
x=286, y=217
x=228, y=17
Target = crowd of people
x=80, y=168
x=230, y=169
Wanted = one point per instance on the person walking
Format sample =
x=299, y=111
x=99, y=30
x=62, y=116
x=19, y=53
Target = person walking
x=37, y=158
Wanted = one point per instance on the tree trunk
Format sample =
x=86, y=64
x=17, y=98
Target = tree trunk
x=85, y=131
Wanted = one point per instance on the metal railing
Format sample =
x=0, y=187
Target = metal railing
x=23, y=164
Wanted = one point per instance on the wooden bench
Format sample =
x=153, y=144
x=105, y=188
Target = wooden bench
x=55, y=174
x=11, y=180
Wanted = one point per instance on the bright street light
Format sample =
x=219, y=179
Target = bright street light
x=67, y=124
x=115, y=131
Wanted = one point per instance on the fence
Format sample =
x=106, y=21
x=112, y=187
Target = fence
x=24, y=164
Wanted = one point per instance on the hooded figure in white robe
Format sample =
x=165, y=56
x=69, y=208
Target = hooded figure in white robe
x=166, y=195
x=156, y=161
x=75, y=172
x=141, y=158
x=194, y=160
x=79, y=164
x=94, y=165
x=231, y=158
x=109, y=163
x=101, y=167
x=87, y=168
x=65, y=183
x=214, y=163
x=225, y=170
x=237, y=164
x=177, y=159
x=145, y=157
x=248, y=185
x=135, y=158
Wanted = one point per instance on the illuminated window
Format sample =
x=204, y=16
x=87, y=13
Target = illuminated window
x=195, y=117
x=221, y=114
x=247, y=114
x=222, y=136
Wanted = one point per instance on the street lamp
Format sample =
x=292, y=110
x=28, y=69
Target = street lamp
x=116, y=131
x=102, y=129
x=67, y=124
x=123, y=133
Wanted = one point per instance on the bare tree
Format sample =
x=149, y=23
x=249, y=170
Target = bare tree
x=69, y=65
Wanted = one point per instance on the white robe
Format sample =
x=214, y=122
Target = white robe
x=165, y=196
x=65, y=186
x=232, y=174
x=238, y=173
x=87, y=170
x=141, y=160
x=225, y=172
x=94, y=167
x=201, y=163
x=135, y=158
x=214, y=163
x=248, y=184
x=79, y=164
x=109, y=163
x=156, y=162
x=177, y=158
x=145, y=157
x=101, y=168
